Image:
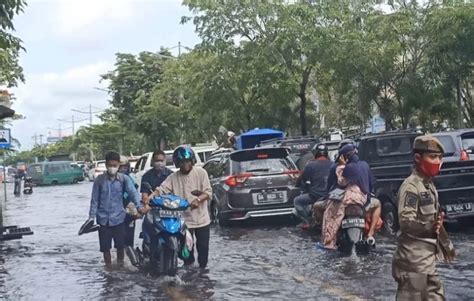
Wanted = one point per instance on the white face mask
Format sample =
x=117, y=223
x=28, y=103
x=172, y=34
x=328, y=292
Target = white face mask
x=112, y=170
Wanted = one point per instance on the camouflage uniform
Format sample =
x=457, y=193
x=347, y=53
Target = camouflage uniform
x=414, y=262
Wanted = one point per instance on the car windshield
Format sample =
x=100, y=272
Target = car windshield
x=263, y=165
x=101, y=164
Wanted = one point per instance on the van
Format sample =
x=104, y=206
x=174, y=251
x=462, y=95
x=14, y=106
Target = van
x=54, y=173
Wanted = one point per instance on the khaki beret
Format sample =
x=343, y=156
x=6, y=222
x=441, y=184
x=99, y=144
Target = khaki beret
x=428, y=144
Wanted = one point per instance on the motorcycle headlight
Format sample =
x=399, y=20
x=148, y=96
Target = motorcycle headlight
x=171, y=204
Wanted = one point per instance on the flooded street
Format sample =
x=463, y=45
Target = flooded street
x=246, y=262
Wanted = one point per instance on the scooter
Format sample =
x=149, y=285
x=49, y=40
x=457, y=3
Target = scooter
x=351, y=238
x=165, y=236
x=28, y=186
x=351, y=235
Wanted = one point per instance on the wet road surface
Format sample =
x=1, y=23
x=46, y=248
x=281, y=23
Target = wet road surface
x=259, y=262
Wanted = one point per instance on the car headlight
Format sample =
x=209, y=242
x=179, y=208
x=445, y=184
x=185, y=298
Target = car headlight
x=171, y=204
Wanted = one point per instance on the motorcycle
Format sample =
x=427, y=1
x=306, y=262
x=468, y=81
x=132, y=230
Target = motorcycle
x=351, y=236
x=165, y=236
x=28, y=186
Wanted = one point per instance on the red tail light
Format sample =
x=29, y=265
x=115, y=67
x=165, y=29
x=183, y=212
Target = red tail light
x=464, y=156
x=236, y=180
x=293, y=174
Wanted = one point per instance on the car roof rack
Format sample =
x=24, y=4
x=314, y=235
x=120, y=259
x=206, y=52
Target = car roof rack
x=290, y=138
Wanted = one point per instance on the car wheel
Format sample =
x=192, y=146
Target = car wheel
x=54, y=182
x=75, y=181
x=217, y=218
x=390, y=222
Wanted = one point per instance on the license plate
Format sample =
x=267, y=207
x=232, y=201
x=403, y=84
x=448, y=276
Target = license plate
x=459, y=208
x=170, y=214
x=353, y=223
x=270, y=197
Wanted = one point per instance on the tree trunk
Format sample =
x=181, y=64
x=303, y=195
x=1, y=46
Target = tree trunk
x=460, y=115
x=304, y=130
x=304, y=100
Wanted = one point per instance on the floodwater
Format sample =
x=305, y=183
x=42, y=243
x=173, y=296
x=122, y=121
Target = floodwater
x=259, y=261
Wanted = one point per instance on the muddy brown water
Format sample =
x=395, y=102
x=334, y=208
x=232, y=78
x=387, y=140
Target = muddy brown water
x=261, y=260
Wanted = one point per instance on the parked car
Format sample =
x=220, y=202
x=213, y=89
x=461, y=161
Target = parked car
x=11, y=171
x=252, y=183
x=97, y=168
x=390, y=158
x=459, y=144
x=54, y=173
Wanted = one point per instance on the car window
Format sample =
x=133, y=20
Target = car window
x=393, y=146
x=169, y=161
x=101, y=164
x=273, y=165
x=137, y=164
x=54, y=168
x=468, y=142
x=214, y=169
x=448, y=144
x=143, y=163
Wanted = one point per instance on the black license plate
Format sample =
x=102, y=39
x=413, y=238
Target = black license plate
x=353, y=223
x=459, y=208
x=270, y=197
x=170, y=214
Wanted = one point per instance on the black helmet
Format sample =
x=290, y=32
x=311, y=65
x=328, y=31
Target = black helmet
x=320, y=150
x=181, y=153
x=345, y=142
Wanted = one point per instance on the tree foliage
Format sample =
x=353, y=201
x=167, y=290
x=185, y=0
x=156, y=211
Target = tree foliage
x=10, y=46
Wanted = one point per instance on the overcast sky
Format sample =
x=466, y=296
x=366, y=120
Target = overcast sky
x=70, y=43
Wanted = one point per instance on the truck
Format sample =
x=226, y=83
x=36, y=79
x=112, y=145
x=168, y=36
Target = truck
x=390, y=158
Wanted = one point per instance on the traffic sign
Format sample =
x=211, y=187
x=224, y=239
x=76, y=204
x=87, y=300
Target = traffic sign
x=5, y=138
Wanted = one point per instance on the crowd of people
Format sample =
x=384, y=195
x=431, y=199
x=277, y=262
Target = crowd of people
x=116, y=204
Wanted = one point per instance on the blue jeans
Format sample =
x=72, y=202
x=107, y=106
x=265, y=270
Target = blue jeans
x=302, y=206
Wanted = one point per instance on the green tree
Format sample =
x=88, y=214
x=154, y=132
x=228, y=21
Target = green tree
x=10, y=46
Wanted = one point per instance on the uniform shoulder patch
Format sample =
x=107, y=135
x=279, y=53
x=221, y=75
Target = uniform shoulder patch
x=411, y=200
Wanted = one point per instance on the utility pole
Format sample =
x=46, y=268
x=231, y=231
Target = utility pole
x=90, y=112
x=179, y=49
x=73, y=121
x=35, y=137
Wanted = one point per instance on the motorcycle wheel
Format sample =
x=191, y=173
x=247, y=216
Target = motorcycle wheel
x=168, y=260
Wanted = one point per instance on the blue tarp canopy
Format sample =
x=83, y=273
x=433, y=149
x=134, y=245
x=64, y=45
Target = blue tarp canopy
x=253, y=137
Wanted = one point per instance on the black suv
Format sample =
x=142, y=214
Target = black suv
x=390, y=158
x=252, y=183
x=300, y=148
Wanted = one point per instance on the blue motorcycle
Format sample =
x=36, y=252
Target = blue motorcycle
x=164, y=234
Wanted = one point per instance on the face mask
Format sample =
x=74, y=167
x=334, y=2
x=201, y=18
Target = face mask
x=112, y=170
x=159, y=165
x=430, y=169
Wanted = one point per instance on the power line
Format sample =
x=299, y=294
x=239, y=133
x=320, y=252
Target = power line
x=90, y=112
x=73, y=121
